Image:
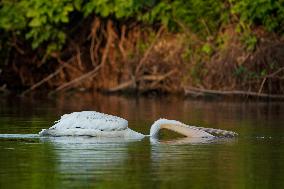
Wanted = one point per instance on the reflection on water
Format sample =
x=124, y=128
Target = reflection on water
x=192, y=141
x=81, y=158
x=253, y=160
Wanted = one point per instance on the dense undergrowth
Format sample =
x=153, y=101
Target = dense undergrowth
x=168, y=46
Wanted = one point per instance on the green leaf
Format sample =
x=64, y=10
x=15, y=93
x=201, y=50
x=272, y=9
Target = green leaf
x=64, y=19
x=207, y=48
x=35, y=22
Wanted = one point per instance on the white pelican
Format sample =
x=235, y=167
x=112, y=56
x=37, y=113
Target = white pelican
x=91, y=123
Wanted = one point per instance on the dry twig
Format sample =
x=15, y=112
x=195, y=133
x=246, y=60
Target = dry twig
x=272, y=75
x=146, y=54
x=89, y=75
x=50, y=76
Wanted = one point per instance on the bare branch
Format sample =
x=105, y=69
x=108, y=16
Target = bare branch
x=146, y=54
x=189, y=90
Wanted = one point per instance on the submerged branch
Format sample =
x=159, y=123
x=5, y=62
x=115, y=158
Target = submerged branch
x=201, y=92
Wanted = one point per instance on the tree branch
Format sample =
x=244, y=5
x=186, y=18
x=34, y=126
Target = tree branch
x=193, y=90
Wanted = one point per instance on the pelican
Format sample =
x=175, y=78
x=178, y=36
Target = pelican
x=96, y=124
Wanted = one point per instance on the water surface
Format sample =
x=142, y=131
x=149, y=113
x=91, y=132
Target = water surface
x=253, y=160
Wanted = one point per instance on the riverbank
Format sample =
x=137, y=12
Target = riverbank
x=166, y=65
x=221, y=52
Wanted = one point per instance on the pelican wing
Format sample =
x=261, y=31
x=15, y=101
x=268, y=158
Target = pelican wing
x=82, y=123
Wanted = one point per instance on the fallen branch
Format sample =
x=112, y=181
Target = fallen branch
x=275, y=73
x=129, y=83
x=50, y=76
x=193, y=93
x=88, y=75
x=156, y=82
x=122, y=86
x=193, y=90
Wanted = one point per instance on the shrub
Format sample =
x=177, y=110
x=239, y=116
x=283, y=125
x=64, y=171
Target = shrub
x=45, y=22
x=267, y=13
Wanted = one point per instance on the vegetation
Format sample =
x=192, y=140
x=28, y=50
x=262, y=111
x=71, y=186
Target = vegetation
x=145, y=45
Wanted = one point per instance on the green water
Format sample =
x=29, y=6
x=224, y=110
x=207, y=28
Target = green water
x=253, y=160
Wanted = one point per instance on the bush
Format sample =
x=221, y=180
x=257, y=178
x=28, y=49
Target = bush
x=199, y=16
x=267, y=13
x=45, y=22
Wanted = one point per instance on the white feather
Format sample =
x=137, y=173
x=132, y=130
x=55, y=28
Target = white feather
x=91, y=123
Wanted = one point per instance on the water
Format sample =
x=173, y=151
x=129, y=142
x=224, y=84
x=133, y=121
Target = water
x=253, y=160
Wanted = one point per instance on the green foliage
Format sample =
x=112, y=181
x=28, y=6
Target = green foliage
x=161, y=12
x=269, y=13
x=12, y=15
x=198, y=15
x=118, y=8
x=40, y=21
x=242, y=72
x=45, y=22
x=249, y=40
x=44, y=19
x=207, y=48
